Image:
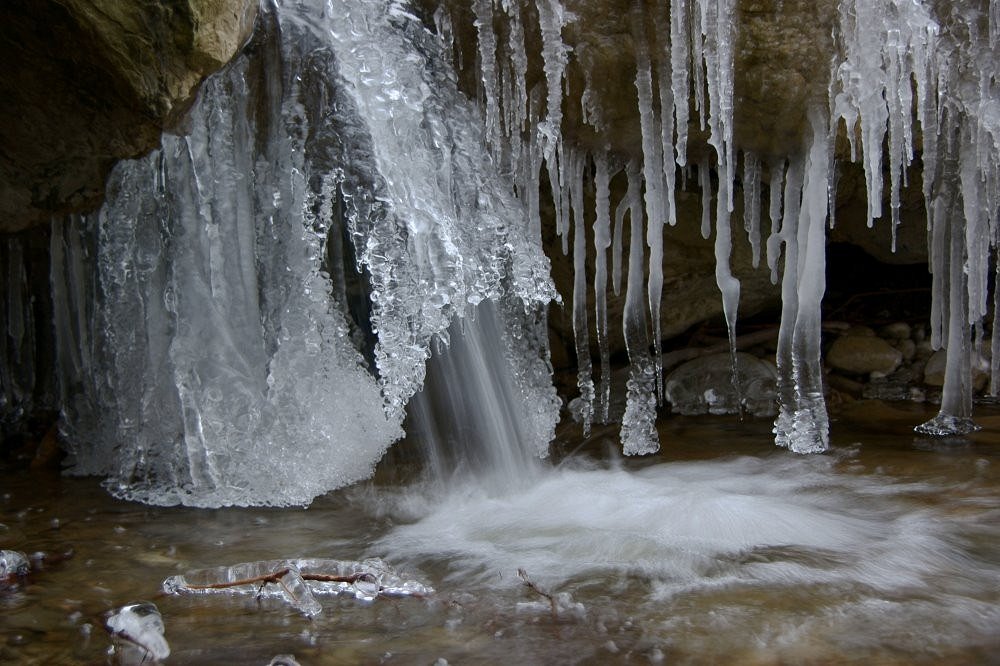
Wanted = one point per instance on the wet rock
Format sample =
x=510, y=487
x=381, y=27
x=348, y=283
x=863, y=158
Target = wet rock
x=704, y=386
x=863, y=355
x=908, y=348
x=858, y=331
x=934, y=370
x=897, y=331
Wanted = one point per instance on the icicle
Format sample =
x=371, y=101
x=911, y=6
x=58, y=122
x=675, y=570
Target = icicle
x=680, y=80
x=995, y=333
x=729, y=286
x=652, y=168
x=488, y=68
x=776, y=194
x=518, y=102
x=576, y=162
x=751, y=203
x=666, y=122
x=697, y=41
x=802, y=424
x=552, y=17
x=602, y=241
x=705, y=183
x=950, y=293
x=633, y=193
x=784, y=425
x=638, y=431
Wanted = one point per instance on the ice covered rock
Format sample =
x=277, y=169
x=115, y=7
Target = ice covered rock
x=863, y=355
x=137, y=629
x=705, y=386
x=13, y=565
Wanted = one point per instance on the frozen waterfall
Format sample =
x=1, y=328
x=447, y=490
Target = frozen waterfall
x=248, y=316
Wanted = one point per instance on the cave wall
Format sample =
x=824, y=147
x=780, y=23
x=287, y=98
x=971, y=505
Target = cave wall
x=85, y=83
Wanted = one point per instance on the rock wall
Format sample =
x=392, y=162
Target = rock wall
x=87, y=82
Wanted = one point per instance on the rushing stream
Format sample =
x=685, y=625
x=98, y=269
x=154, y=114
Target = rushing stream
x=722, y=549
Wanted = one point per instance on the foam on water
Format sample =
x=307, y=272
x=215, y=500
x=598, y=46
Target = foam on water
x=776, y=520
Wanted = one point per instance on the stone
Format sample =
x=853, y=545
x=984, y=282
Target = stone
x=863, y=355
x=704, y=386
x=859, y=331
x=88, y=82
x=908, y=348
x=934, y=370
x=899, y=330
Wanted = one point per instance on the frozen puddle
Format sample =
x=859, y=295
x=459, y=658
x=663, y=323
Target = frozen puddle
x=772, y=521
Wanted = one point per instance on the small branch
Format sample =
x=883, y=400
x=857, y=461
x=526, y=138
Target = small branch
x=263, y=580
x=537, y=590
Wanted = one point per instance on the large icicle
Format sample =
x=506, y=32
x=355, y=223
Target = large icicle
x=638, y=432
x=802, y=424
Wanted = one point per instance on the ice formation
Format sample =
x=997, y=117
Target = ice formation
x=299, y=581
x=897, y=60
x=138, y=626
x=209, y=344
x=216, y=344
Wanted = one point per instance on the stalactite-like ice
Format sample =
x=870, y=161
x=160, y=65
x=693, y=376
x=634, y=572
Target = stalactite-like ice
x=638, y=431
x=653, y=175
x=576, y=162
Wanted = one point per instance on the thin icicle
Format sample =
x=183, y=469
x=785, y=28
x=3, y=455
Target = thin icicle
x=633, y=193
x=488, y=69
x=776, y=194
x=666, y=122
x=705, y=183
x=995, y=334
x=552, y=17
x=680, y=79
x=602, y=241
x=638, y=431
x=518, y=57
x=751, y=203
x=652, y=168
x=576, y=163
x=729, y=286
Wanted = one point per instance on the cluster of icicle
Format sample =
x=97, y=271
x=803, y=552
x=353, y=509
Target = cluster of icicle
x=889, y=48
x=202, y=358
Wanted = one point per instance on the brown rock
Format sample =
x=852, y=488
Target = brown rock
x=863, y=355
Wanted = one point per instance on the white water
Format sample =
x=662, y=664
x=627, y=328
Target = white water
x=687, y=529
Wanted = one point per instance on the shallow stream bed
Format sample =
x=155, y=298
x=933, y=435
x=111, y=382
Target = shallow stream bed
x=719, y=549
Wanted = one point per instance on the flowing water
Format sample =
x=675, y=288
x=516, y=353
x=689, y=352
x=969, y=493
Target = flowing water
x=720, y=548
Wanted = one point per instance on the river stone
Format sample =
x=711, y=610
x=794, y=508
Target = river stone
x=704, y=386
x=899, y=330
x=934, y=370
x=863, y=355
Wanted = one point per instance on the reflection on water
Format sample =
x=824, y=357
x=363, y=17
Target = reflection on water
x=720, y=549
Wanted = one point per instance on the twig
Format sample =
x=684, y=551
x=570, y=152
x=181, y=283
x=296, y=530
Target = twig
x=537, y=590
x=263, y=580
